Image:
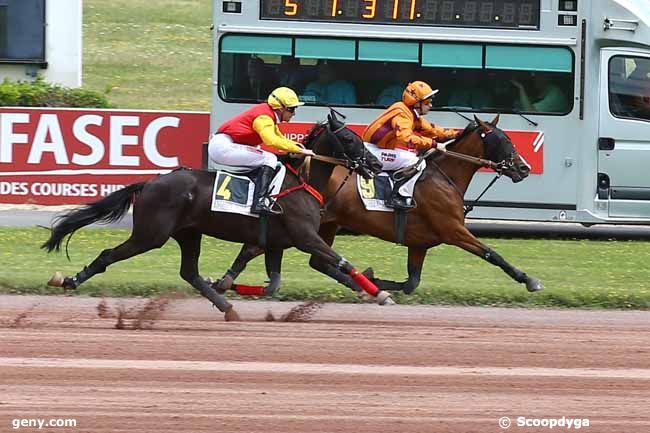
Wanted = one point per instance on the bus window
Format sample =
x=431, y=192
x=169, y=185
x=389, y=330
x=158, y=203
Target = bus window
x=330, y=86
x=372, y=73
x=532, y=79
x=392, y=80
x=471, y=89
x=247, y=66
x=629, y=87
x=392, y=64
x=540, y=92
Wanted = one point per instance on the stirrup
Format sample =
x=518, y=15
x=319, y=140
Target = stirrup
x=263, y=208
x=398, y=202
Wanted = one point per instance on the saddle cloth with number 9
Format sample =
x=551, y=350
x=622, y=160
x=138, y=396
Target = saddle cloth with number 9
x=374, y=192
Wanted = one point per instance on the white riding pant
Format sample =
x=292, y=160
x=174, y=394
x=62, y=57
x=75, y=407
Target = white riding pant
x=394, y=159
x=238, y=157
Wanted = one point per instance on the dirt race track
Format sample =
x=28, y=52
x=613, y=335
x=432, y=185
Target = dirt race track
x=175, y=366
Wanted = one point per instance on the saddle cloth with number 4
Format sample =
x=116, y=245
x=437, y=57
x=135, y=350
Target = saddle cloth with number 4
x=233, y=193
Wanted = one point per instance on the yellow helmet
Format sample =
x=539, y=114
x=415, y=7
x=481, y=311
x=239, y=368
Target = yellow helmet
x=417, y=91
x=283, y=97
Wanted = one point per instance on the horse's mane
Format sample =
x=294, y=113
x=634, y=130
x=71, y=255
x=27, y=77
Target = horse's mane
x=309, y=141
x=471, y=127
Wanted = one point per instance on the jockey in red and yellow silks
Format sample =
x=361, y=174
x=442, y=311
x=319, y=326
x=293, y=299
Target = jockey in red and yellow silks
x=399, y=131
x=236, y=145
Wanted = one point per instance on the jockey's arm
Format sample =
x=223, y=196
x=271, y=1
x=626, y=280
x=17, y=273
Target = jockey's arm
x=435, y=132
x=403, y=127
x=272, y=136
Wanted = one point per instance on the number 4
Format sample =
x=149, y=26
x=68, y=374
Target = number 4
x=223, y=190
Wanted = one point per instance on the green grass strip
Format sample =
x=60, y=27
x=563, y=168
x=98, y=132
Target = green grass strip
x=585, y=274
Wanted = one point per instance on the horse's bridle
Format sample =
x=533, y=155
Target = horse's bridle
x=488, y=138
x=350, y=163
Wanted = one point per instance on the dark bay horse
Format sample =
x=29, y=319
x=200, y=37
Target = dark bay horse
x=438, y=218
x=177, y=205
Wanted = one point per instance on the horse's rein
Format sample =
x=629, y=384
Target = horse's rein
x=482, y=162
x=329, y=160
x=475, y=160
x=348, y=164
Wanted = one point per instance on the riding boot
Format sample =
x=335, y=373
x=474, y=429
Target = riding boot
x=398, y=201
x=261, y=200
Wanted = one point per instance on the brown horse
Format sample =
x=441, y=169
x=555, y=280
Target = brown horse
x=177, y=205
x=438, y=218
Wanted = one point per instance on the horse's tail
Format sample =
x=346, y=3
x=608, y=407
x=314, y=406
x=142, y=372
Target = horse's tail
x=105, y=211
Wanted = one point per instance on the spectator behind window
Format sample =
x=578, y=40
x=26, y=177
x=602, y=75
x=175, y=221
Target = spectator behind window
x=328, y=89
x=639, y=85
x=290, y=74
x=466, y=91
x=547, y=96
x=393, y=93
x=257, y=84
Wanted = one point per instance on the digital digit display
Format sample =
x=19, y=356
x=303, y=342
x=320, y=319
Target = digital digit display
x=519, y=14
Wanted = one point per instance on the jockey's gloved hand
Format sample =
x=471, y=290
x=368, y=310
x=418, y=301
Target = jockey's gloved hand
x=442, y=147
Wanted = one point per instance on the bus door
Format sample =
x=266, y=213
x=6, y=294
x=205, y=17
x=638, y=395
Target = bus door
x=624, y=132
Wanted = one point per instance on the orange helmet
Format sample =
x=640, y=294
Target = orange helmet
x=417, y=91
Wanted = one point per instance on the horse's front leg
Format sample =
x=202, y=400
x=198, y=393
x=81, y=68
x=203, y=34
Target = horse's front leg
x=273, y=263
x=414, y=265
x=466, y=240
x=328, y=232
x=312, y=243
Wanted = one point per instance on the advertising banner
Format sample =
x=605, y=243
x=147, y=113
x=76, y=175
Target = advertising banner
x=73, y=156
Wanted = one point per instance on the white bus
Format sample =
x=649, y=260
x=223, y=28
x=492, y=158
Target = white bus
x=569, y=77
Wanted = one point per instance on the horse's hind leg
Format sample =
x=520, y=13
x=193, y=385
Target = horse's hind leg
x=131, y=247
x=190, y=243
x=466, y=240
x=415, y=262
x=247, y=253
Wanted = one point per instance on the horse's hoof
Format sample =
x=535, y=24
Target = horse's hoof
x=231, y=316
x=384, y=298
x=56, y=280
x=534, y=285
